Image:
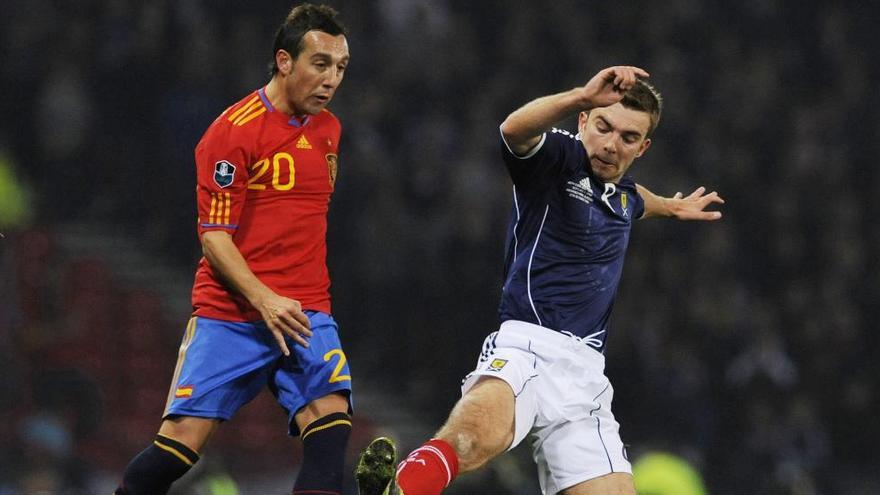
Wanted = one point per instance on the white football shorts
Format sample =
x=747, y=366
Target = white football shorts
x=563, y=399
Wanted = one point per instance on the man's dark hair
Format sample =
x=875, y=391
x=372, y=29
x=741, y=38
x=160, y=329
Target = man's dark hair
x=302, y=19
x=645, y=98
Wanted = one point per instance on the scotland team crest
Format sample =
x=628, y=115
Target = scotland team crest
x=497, y=364
x=224, y=173
x=331, y=168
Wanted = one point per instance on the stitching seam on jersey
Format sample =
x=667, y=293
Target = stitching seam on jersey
x=515, y=225
x=532, y=257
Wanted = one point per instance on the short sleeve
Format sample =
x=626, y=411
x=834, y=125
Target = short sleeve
x=638, y=203
x=221, y=172
x=543, y=164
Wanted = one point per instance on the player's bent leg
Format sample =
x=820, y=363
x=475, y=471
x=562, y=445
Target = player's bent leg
x=480, y=427
x=324, y=426
x=332, y=403
x=174, y=451
x=610, y=484
x=194, y=432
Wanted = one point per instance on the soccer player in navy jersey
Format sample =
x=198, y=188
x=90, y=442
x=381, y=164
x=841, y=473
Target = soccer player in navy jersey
x=542, y=373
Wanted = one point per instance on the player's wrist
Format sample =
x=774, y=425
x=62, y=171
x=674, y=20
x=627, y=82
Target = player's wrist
x=581, y=100
x=669, y=207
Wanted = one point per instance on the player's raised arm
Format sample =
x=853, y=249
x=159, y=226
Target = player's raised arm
x=691, y=207
x=523, y=128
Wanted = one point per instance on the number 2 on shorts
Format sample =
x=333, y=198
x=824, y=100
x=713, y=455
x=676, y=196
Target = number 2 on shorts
x=336, y=377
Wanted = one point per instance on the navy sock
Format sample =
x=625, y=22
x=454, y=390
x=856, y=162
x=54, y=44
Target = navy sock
x=324, y=442
x=153, y=470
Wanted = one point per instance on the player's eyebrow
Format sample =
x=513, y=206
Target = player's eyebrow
x=626, y=132
x=329, y=57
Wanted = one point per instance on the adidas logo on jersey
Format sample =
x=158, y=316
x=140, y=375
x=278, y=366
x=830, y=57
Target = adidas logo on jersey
x=581, y=190
x=303, y=143
x=585, y=183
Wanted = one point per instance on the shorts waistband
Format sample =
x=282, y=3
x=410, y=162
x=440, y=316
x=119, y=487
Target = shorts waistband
x=555, y=339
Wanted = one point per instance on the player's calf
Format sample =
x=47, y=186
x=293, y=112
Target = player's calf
x=428, y=470
x=154, y=470
x=324, y=442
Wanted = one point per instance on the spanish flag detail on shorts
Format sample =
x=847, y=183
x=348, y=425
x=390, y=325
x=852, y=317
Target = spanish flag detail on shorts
x=184, y=391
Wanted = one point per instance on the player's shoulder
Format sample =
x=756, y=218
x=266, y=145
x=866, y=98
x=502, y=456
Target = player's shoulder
x=562, y=133
x=238, y=122
x=327, y=118
x=242, y=113
x=324, y=123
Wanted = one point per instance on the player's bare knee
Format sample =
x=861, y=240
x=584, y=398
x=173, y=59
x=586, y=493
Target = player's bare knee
x=190, y=431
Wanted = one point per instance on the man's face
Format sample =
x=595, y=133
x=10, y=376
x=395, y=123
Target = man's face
x=613, y=136
x=312, y=78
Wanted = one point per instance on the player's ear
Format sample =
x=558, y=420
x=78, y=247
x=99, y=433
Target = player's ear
x=582, y=121
x=644, y=147
x=284, y=61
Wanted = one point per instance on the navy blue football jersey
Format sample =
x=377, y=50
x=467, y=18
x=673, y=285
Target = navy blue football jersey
x=566, y=240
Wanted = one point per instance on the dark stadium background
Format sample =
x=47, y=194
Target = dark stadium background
x=748, y=347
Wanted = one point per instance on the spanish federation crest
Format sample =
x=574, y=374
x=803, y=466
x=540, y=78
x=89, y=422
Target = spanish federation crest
x=224, y=173
x=331, y=168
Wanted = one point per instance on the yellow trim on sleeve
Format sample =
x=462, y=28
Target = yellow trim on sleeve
x=244, y=108
x=213, y=208
x=244, y=119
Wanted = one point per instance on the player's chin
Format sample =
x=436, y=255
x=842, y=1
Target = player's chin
x=605, y=173
x=315, y=109
x=316, y=105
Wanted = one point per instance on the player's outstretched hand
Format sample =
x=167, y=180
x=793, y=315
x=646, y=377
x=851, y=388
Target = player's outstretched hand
x=693, y=206
x=609, y=85
x=284, y=317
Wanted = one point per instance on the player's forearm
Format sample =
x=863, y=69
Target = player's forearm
x=523, y=128
x=227, y=262
x=655, y=206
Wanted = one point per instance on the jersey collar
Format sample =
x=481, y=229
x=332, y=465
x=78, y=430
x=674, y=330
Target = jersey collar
x=294, y=120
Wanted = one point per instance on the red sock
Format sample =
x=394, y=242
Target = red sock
x=428, y=469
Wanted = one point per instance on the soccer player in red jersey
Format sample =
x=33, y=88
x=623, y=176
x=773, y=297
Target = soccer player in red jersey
x=266, y=168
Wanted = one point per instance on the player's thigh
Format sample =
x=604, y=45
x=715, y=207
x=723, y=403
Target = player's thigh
x=314, y=381
x=222, y=365
x=609, y=484
x=191, y=431
x=484, y=417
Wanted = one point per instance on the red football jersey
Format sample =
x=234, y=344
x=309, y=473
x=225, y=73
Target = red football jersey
x=266, y=178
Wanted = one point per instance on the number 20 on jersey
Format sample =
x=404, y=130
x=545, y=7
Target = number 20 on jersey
x=283, y=172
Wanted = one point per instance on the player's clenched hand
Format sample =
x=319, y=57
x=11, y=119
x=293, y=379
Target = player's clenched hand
x=284, y=317
x=609, y=85
x=693, y=206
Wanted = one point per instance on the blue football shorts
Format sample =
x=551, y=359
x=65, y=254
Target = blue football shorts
x=223, y=365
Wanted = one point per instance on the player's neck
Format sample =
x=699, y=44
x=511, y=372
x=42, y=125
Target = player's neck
x=275, y=95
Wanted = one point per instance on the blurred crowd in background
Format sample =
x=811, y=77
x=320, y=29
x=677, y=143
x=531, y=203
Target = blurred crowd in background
x=744, y=346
